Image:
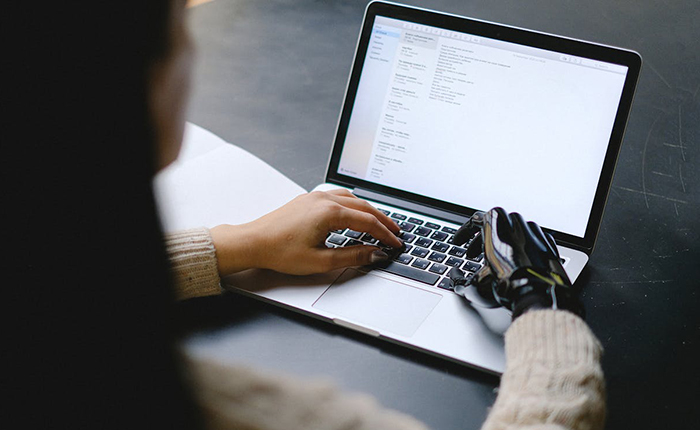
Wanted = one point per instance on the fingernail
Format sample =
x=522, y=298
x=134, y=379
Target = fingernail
x=378, y=256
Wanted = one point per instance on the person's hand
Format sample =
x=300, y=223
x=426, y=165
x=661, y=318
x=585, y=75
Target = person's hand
x=291, y=239
x=522, y=269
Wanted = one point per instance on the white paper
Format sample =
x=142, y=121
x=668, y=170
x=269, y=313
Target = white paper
x=198, y=141
x=214, y=182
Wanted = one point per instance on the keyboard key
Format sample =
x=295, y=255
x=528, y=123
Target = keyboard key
x=409, y=272
x=449, y=230
x=385, y=212
x=437, y=257
x=415, y=221
x=353, y=234
x=407, y=248
x=438, y=268
x=450, y=240
x=420, y=263
x=422, y=241
x=404, y=259
x=432, y=225
x=446, y=284
x=390, y=250
x=423, y=231
x=407, y=226
x=471, y=266
x=478, y=258
x=457, y=251
x=407, y=237
x=454, y=261
x=398, y=216
x=440, y=247
x=369, y=239
x=336, y=239
x=419, y=252
x=439, y=235
x=353, y=242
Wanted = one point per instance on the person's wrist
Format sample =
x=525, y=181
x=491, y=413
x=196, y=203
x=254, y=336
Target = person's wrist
x=235, y=247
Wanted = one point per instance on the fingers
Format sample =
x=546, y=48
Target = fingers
x=360, y=255
x=552, y=244
x=497, y=223
x=476, y=246
x=357, y=214
x=362, y=221
x=469, y=228
x=520, y=231
x=541, y=240
x=348, y=199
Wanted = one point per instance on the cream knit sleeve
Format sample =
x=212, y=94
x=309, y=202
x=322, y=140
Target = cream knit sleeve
x=553, y=378
x=239, y=397
x=193, y=262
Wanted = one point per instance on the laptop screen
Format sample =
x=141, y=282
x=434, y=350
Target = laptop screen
x=479, y=122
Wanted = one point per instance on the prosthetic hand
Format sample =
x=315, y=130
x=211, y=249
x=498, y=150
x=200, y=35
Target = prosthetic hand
x=522, y=268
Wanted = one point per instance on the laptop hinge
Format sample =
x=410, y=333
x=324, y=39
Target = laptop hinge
x=410, y=206
x=585, y=250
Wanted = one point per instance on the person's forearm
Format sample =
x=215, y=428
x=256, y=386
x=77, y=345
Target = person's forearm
x=553, y=375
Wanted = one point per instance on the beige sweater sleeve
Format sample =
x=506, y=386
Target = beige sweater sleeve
x=238, y=397
x=193, y=263
x=553, y=378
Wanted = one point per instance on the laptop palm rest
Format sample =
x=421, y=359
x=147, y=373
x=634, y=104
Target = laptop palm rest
x=378, y=303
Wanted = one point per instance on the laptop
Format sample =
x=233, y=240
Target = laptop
x=444, y=116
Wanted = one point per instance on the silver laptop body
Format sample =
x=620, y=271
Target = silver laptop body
x=443, y=116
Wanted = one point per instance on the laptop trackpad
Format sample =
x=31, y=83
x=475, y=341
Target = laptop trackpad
x=378, y=303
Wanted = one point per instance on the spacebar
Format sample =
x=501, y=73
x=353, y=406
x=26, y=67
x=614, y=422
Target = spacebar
x=409, y=272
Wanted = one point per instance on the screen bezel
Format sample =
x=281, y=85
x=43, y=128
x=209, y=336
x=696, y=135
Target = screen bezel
x=630, y=59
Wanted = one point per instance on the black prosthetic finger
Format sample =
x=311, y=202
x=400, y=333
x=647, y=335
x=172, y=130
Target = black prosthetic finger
x=469, y=288
x=463, y=234
x=499, y=224
x=469, y=228
x=540, y=239
x=520, y=232
x=481, y=290
x=476, y=246
x=553, y=244
x=499, y=211
x=477, y=218
x=457, y=276
x=458, y=280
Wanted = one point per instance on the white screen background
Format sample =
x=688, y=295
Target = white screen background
x=481, y=126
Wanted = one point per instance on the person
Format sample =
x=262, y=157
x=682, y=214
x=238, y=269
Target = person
x=100, y=99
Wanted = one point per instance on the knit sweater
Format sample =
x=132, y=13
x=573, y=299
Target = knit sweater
x=553, y=379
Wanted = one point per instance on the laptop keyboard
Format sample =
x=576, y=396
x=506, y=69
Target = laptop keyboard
x=429, y=253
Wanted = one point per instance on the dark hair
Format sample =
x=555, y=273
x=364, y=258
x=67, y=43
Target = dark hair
x=87, y=298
